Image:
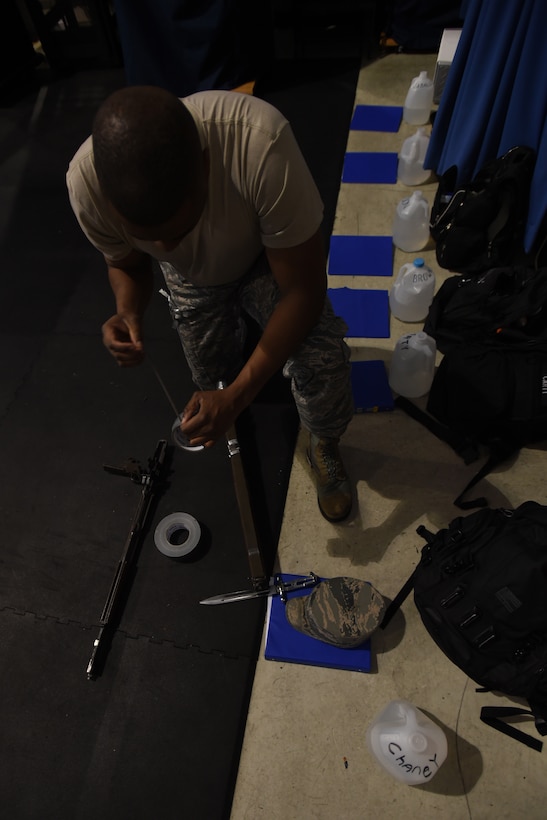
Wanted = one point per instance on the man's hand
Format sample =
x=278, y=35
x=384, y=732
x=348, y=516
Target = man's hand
x=131, y=281
x=208, y=415
x=122, y=338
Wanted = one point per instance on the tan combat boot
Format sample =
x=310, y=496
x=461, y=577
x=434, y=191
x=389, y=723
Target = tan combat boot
x=333, y=487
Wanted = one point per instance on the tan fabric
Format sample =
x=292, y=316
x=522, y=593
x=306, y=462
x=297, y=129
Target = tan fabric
x=246, y=88
x=261, y=192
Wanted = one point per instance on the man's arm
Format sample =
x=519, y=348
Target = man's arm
x=131, y=280
x=300, y=273
x=301, y=277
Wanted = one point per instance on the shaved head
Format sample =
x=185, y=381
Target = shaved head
x=147, y=153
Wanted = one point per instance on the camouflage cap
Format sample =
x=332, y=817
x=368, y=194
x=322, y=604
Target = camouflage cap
x=341, y=611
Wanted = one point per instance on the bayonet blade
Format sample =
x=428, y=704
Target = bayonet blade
x=278, y=587
x=241, y=595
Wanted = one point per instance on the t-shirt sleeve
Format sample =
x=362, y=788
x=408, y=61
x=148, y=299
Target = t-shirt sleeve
x=90, y=209
x=289, y=206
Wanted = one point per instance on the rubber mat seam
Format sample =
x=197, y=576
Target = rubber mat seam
x=123, y=633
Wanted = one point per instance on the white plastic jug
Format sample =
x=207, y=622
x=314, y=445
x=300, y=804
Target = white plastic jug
x=419, y=99
x=413, y=365
x=410, y=166
x=412, y=292
x=407, y=743
x=411, y=223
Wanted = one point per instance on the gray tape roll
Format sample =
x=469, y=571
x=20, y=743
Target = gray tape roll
x=170, y=526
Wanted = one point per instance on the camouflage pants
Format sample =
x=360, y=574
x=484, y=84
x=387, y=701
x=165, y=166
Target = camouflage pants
x=211, y=327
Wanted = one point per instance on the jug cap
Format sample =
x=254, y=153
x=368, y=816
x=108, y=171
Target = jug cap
x=419, y=262
x=423, y=80
x=417, y=742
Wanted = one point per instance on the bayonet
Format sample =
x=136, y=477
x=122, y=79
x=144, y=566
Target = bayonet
x=277, y=587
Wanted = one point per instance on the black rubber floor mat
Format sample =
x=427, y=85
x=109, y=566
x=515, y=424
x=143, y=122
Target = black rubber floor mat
x=64, y=524
x=156, y=736
x=158, y=733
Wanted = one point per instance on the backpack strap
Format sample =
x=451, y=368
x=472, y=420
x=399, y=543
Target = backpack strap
x=461, y=445
x=398, y=601
x=539, y=720
x=500, y=451
x=495, y=717
x=486, y=468
x=405, y=590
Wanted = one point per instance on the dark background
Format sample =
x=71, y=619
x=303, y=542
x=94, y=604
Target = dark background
x=158, y=733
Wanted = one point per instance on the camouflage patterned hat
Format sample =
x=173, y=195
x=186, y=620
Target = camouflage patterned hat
x=341, y=611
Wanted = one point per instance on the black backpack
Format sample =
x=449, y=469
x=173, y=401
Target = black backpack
x=508, y=303
x=490, y=389
x=480, y=224
x=481, y=591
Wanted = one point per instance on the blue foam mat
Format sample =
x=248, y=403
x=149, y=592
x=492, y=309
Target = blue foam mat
x=361, y=256
x=370, y=386
x=366, y=312
x=286, y=644
x=385, y=118
x=370, y=166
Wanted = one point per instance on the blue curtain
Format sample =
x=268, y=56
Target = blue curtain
x=496, y=96
x=193, y=45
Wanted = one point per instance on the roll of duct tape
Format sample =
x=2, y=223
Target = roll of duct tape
x=169, y=531
x=181, y=440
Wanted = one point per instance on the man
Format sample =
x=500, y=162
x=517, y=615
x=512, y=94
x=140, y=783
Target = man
x=215, y=189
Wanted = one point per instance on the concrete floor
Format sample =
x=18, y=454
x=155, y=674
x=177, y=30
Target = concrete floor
x=305, y=723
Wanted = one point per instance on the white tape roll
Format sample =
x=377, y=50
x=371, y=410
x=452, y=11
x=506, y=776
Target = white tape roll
x=169, y=527
x=181, y=440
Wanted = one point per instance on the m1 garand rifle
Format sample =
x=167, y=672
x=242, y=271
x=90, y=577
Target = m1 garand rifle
x=150, y=481
x=257, y=570
x=261, y=586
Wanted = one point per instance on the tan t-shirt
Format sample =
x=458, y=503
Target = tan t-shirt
x=261, y=193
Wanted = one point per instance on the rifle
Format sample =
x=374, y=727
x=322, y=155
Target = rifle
x=256, y=564
x=149, y=481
